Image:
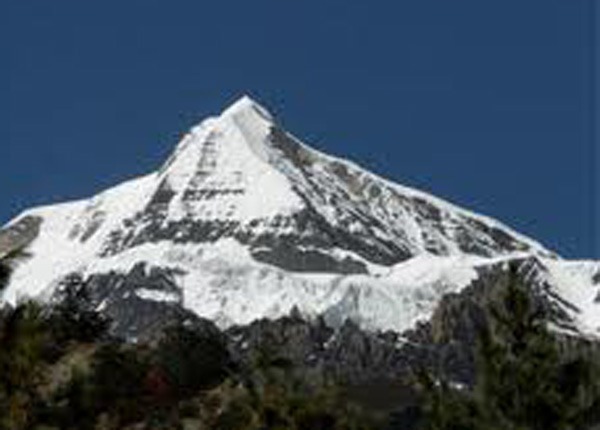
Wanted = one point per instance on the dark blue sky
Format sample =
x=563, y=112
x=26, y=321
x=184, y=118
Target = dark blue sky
x=485, y=103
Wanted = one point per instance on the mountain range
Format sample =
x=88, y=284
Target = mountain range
x=245, y=222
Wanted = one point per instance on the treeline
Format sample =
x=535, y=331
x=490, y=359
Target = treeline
x=60, y=369
x=526, y=378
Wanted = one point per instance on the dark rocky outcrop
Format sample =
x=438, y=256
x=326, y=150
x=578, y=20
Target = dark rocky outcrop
x=446, y=343
x=18, y=235
x=133, y=316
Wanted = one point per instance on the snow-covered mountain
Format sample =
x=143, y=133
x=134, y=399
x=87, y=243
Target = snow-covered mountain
x=244, y=221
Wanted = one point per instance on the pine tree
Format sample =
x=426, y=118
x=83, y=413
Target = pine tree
x=523, y=382
x=74, y=317
x=22, y=341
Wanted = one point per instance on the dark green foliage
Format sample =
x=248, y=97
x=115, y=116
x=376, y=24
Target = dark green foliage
x=22, y=338
x=31, y=340
x=283, y=396
x=22, y=342
x=117, y=375
x=523, y=381
x=447, y=408
x=237, y=415
x=74, y=317
x=60, y=370
x=193, y=359
x=4, y=275
x=188, y=375
x=74, y=405
x=523, y=377
x=280, y=405
x=113, y=385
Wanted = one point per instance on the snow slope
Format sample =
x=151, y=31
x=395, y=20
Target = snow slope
x=249, y=222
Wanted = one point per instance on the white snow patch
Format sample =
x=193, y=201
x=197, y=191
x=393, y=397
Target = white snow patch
x=156, y=296
x=573, y=282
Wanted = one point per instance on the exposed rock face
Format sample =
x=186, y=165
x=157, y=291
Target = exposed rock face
x=596, y=281
x=450, y=337
x=445, y=344
x=18, y=235
x=124, y=300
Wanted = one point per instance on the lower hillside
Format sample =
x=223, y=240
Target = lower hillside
x=478, y=365
x=59, y=369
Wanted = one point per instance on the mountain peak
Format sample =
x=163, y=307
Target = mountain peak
x=244, y=221
x=246, y=104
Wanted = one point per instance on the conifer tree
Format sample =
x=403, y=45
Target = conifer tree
x=74, y=316
x=523, y=382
